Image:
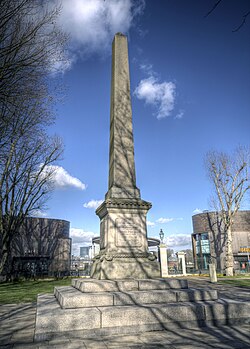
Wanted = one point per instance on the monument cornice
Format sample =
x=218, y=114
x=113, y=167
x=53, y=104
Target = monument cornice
x=111, y=256
x=123, y=203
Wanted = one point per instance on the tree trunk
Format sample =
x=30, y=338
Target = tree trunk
x=229, y=253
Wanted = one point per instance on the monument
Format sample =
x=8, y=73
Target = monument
x=125, y=293
x=123, y=230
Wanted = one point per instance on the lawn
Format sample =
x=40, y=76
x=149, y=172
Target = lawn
x=27, y=291
x=239, y=282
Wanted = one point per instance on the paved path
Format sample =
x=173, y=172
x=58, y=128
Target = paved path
x=17, y=324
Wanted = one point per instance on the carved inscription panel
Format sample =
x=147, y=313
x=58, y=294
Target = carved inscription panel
x=127, y=234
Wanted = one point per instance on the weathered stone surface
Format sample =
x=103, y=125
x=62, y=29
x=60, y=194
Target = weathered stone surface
x=130, y=284
x=122, y=181
x=162, y=284
x=226, y=309
x=120, y=316
x=93, y=285
x=96, y=286
x=120, y=268
x=51, y=318
x=193, y=295
x=72, y=298
x=123, y=229
x=144, y=297
x=126, y=292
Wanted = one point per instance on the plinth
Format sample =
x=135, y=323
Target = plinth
x=123, y=241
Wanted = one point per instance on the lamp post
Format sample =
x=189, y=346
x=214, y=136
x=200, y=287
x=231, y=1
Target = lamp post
x=163, y=256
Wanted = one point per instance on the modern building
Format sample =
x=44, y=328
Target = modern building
x=41, y=247
x=209, y=241
x=84, y=251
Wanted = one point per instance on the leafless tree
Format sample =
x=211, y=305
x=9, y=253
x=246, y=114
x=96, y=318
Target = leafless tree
x=31, y=47
x=243, y=20
x=229, y=175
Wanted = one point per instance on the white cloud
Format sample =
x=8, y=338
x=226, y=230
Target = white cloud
x=178, y=240
x=180, y=114
x=92, y=24
x=39, y=213
x=147, y=68
x=164, y=220
x=93, y=204
x=80, y=238
x=150, y=224
x=160, y=95
x=197, y=210
x=62, y=179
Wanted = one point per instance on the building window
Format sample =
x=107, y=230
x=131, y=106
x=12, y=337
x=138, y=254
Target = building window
x=202, y=250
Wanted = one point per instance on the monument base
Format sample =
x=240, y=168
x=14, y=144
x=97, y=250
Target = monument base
x=123, y=241
x=91, y=308
x=109, y=267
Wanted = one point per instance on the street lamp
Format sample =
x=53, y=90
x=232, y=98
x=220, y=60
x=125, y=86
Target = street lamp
x=161, y=234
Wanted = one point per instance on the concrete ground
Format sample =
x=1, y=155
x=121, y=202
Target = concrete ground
x=17, y=325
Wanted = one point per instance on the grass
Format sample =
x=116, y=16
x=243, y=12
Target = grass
x=236, y=281
x=27, y=291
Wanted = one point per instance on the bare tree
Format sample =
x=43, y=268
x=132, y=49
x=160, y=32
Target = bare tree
x=31, y=48
x=229, y=175
x=170, y=252
x=243, y=20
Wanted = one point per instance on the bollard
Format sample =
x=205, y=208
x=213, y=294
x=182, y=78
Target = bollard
x=212, y=273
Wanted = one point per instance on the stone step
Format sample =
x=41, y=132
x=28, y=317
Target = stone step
x=69, y=297
x=94, y=285
x=52, y=320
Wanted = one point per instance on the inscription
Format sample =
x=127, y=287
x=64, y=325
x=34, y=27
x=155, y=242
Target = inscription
x=127, y=234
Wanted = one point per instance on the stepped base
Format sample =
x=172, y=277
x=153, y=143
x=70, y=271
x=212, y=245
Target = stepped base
x=52, y=320
x=69, y=297
x=105, y=307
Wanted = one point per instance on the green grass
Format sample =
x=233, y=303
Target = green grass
x=27, y=291
x=236, y=282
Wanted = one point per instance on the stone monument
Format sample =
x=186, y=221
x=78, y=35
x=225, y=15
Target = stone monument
x=131, y=301
x=123, y=231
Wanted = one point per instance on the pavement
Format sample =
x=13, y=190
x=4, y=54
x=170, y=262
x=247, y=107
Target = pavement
x=17, y=326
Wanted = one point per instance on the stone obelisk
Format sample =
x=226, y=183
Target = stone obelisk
x=123, y=231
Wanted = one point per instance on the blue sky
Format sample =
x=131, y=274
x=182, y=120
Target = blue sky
x=190, y=83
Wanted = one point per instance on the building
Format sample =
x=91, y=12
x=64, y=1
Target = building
x=209, y=241
x=84, y=251
x=42, y=246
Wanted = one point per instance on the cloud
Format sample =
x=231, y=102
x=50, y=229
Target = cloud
x=92, y=24
x=180, y=114
x=62, y=179
x=159, y=95
x=164, y=220
x=178, y=240
x=197, y=210
x=93, y=204
x=147, y=68
x=150, y=224
x=80, y=238
x=39, y=213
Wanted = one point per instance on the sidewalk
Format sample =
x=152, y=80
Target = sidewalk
x=17, y=325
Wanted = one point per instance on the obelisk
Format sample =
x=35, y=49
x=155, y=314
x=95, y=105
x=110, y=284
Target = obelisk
x=123, y=230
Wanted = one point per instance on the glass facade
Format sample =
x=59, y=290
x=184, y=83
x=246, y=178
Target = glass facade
x=202, y=247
